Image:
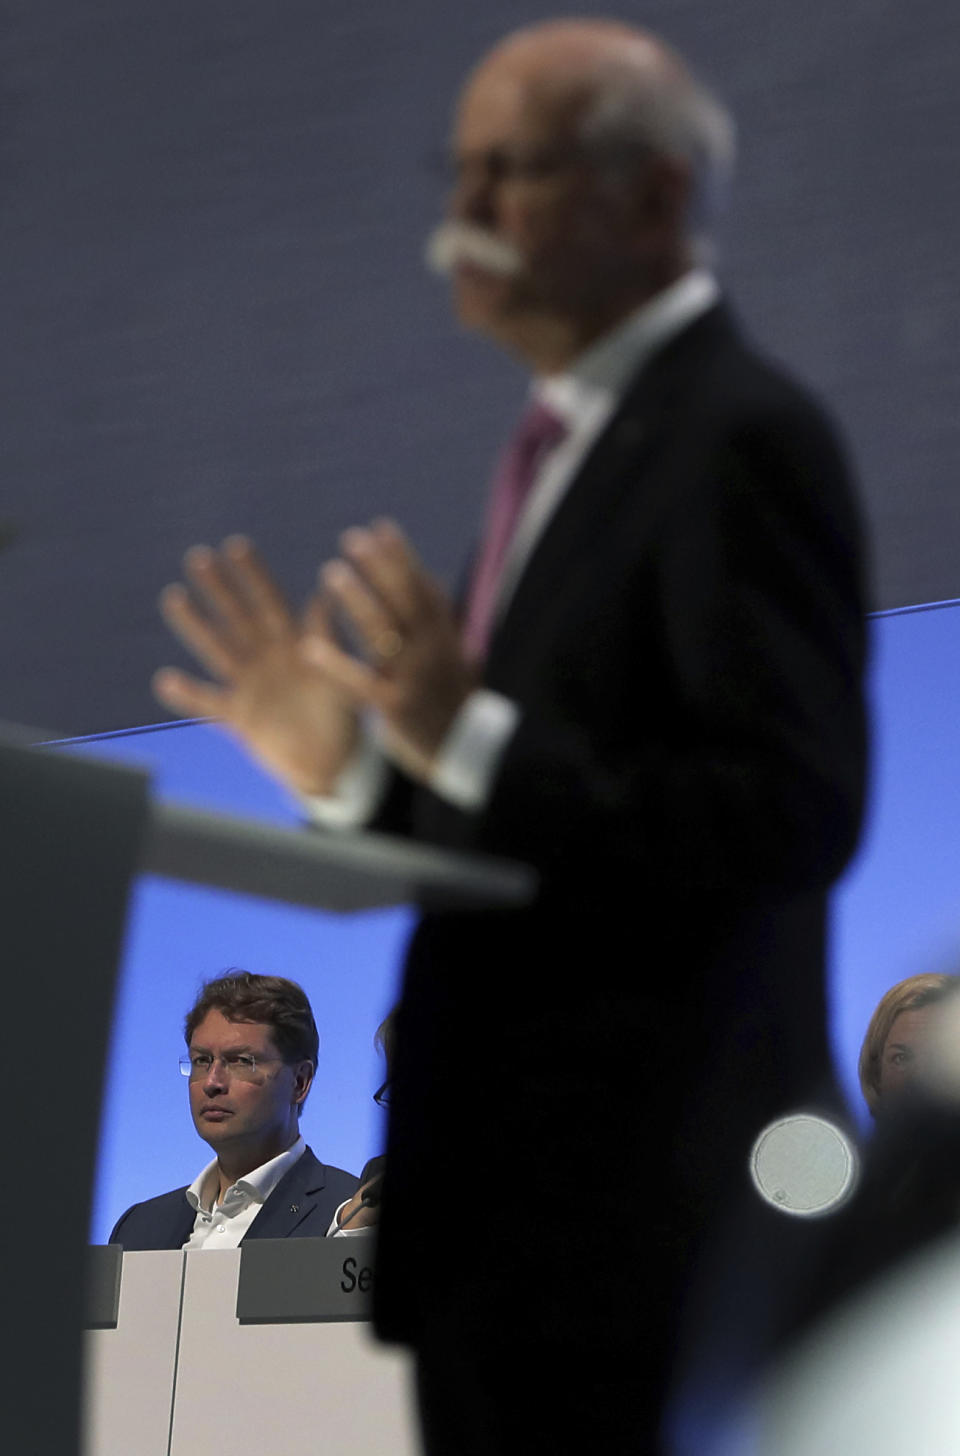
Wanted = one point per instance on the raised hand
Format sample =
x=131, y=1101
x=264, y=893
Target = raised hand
x=298, y=721
x=415, y=675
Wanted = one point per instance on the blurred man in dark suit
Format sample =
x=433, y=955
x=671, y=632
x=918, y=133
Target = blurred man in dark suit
x=252, y=1049
x=652, y=694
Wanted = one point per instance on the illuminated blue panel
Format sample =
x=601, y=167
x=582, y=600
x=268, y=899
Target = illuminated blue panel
x=896, y=913
x=898, y=909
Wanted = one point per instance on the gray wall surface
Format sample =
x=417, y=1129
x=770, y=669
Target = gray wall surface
x=215, y=315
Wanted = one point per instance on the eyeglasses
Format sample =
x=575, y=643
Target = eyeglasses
x=382, y=1095
x=506, y=164
x=525, y=164
x=242, y=1065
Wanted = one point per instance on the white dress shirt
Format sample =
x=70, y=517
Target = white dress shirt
x=585, y=398
x=223, y=1225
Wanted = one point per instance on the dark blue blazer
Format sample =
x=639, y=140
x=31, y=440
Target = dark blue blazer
x=300, y=1207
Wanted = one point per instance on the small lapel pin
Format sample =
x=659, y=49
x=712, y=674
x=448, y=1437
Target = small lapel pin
x=294, y=1208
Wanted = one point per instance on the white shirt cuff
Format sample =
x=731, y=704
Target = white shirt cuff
x=462, y=774
x=356, y=793
x=471, y=752
x=336, y=1232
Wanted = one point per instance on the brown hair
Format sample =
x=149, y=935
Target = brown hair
x=384, y=1038
x=906, y=995
x=271, y=1000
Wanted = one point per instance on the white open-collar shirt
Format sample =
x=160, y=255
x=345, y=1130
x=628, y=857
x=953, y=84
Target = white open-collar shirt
x=223, y=1225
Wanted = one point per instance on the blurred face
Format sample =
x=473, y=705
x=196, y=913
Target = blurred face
x=249, y=1116
x=906, y=1050
x=568, y=237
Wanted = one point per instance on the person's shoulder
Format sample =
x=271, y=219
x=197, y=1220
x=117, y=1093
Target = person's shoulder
x=372, y=1169
x=712, y=381
x=150, y=1213
x=311, y=1167
x=751, y=382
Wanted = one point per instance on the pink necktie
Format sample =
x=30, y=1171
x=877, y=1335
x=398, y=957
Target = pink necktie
x=537, y=432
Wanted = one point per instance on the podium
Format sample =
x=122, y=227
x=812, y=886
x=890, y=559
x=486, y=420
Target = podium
x=195, y=1358
x=70, y=839
x=74, y=833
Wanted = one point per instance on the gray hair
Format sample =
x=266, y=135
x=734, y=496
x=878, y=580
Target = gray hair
x=638, y=109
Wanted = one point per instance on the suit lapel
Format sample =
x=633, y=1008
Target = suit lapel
x=186, y=1219
x=294, y=1199
x=612, y=467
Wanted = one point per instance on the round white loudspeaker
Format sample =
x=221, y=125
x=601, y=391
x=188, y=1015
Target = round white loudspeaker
x=804, y=1165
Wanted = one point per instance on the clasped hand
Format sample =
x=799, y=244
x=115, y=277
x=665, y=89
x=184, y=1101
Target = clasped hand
x=288, y=689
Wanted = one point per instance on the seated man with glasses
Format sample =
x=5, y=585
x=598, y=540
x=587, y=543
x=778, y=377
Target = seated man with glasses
x=252, y=1047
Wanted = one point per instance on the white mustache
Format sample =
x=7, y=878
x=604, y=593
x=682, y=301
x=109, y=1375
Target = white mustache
x=453, y=242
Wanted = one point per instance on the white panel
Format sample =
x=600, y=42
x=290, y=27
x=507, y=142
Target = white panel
x=303, y=1386
x=130, y=1370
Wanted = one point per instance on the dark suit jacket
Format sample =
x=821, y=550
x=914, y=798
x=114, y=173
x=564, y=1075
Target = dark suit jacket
x=372, y=1169
x=300, y=1207
x=906, y=1200
x=686, y=647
